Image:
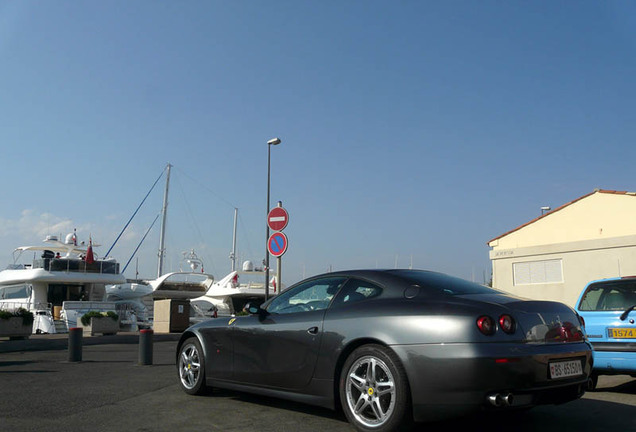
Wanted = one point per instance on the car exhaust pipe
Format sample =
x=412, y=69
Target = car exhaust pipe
x=495, y=400
x=500, y=400
x=507, y=399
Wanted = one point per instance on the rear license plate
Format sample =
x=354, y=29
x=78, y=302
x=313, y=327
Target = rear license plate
x=622, y=333
x=565, y=369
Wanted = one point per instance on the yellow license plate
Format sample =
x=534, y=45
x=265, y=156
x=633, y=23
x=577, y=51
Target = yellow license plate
x=622, y=333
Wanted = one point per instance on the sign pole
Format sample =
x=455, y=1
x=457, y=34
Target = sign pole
x=278, y=270
x=266, y=263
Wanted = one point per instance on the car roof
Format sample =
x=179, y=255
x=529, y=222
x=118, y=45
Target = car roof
x=610, y=279
x=395, y=280
x=378, y=275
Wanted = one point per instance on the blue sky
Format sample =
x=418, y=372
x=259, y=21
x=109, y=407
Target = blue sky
x=412, y=130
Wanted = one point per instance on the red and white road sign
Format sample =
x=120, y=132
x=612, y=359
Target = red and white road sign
x=277, y=244
x=277, y=219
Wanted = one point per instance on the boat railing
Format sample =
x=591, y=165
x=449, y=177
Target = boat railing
x=86, y=306
x=15, y=305
x=252, y=285
x=11, y=306
x=76, y=265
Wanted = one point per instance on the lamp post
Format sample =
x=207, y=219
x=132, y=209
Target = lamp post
x=270, y=143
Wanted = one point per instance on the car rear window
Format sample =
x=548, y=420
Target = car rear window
x=443, y=284
x=616, y=295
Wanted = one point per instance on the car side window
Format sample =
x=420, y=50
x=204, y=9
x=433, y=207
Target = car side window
x=356, y=290
x=309, y=296
x=591, y=299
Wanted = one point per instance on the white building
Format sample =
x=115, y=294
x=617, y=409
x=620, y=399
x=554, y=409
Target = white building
x=554, y=256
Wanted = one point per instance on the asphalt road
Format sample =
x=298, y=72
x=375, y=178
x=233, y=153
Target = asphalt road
x=41, y=390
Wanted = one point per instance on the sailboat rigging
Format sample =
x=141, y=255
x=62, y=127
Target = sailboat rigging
x=207, y=296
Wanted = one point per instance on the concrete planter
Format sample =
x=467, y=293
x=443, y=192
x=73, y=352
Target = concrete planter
x=103, y=325
x=14, y=328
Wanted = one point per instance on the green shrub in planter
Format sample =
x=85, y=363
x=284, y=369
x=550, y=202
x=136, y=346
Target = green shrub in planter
x=86, y=318
x=27, y=317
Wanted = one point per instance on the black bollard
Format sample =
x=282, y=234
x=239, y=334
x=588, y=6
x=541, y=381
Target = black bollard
x=145, y=347
x=75, y=344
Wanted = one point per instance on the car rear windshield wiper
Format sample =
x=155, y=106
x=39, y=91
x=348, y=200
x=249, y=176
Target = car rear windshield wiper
x=624, y=315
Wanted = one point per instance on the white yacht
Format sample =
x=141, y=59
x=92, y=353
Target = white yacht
x=139, y=295
x=63, y=281
x=228, y=296
x=208, y=298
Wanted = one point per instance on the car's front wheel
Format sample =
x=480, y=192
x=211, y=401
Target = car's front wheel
x=191, y=367
x=374, y=390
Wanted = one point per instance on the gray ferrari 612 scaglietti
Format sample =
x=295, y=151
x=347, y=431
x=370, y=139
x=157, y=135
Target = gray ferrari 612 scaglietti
x=393, y=346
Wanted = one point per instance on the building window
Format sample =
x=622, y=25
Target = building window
x=538, y=272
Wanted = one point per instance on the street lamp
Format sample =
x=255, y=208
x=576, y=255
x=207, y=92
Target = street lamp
x=270, y=143
x=545, y=209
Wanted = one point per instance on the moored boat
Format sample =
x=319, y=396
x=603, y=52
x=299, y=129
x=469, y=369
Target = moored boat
x=228, y=296
x=63, y=281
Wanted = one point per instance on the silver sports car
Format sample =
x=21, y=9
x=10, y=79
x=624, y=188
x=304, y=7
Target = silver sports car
x=393, y=346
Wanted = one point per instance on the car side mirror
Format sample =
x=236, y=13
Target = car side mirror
x=255, y=309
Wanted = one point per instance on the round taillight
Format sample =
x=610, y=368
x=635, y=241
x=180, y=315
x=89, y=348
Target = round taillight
x=486, y=325
x=507, y=324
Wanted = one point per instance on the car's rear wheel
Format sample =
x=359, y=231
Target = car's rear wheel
x=592, y=382
x=374, y=390
x=191, y=367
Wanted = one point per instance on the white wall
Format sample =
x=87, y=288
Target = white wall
x=582, y=262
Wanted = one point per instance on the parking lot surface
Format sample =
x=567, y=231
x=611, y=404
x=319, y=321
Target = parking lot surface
x=108, y=390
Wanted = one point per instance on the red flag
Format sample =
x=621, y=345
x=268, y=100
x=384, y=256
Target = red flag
x=273, y=283
x=90, y=259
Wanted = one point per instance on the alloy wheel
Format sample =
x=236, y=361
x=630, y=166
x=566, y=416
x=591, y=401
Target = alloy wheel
x=370, y=391
x=189, y=366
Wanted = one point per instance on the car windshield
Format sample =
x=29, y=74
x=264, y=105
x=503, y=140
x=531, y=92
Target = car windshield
x=444, y=284
x=617, y=295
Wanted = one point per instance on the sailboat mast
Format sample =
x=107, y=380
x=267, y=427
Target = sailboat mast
x=233, y=254
x=162, y=249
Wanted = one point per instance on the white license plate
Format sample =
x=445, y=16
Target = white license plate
x=565, y=369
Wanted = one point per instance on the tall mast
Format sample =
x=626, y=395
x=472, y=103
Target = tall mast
x=162, y=249
x=233, y=254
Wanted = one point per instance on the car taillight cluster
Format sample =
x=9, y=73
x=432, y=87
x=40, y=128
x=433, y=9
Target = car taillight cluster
x=565, y=333
x=581, y=320
x=488, y=326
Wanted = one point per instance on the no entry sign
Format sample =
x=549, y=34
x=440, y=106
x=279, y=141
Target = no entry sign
x=277, y=219
x=277, y=244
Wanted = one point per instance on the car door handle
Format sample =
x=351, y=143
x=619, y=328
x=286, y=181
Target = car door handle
x=313, y=330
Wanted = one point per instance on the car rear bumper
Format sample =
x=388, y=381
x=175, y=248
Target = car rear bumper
x=452, y=379
x=607, y=362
